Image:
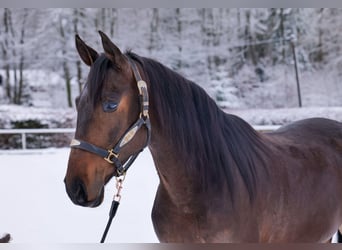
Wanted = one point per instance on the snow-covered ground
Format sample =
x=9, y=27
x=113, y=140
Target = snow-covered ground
x=35, y=207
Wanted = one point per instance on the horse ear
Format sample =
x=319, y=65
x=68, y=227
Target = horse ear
x=111, y=50
x=87, y=54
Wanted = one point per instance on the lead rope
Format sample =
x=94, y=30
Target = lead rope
x=115, y=205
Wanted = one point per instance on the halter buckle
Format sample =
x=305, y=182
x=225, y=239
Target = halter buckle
x=144, y=115
x=142, y=86
x=110, y=156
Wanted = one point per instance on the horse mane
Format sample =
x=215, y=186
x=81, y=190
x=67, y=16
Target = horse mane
x=211, y=141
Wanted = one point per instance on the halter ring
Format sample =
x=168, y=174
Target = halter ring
x=110, y=156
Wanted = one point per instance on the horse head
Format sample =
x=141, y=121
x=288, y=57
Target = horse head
x=112, y=120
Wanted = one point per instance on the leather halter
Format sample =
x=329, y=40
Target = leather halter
x=112, y=155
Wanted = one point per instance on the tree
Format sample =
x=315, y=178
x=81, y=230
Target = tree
x=154, y=26
x=15, y=47
x=7, y=34
x=63, y=24
x=207, y=45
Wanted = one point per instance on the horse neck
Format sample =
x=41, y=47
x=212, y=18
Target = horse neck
x=173, y=152
x=170, y=166
x=183, y=187
x=196, y=146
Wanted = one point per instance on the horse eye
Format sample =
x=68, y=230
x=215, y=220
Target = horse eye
x=109, y=106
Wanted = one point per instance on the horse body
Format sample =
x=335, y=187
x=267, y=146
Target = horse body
x=298, y=201
x=306, y=184
x=220, y=180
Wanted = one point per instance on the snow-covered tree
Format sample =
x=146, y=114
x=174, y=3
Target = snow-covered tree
x=214, y=47
x=17, y=43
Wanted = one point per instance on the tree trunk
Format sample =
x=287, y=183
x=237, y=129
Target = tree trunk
x=113, y=21
x=67, y=82
x=179, y=31
x=320, y=54
x=250, y=53
x=77, y=15
x=5, y=52
x=65, y=65
x=154, y=30
x=282, y=33
x=15, y=87
x=20, y=81
x=22, y=60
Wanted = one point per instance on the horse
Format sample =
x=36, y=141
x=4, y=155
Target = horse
x=220, y=180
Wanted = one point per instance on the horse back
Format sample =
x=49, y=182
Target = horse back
x=313, y=131
x=306, y=180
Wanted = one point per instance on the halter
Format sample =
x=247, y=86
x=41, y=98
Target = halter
x=112, y=155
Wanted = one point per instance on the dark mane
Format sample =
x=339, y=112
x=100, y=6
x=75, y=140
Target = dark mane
x=194, y=123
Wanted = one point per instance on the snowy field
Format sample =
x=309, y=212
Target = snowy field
x=36, y=209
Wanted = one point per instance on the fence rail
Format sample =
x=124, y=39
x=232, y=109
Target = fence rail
x=24, y=132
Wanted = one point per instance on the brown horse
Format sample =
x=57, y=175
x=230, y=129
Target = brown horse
x=220, y=180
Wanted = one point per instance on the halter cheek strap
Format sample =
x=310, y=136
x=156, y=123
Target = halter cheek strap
x=112, y=155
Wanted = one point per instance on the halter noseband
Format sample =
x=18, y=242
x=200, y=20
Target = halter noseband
x=112, y=155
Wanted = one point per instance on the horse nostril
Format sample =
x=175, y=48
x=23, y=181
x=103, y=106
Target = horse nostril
x=80, y=194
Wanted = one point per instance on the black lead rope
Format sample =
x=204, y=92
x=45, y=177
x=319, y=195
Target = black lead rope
x=114, y=206
x=112, y=212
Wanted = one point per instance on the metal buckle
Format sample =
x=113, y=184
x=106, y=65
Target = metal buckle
x=110, y=156
x=144, y=115
x=142, y=85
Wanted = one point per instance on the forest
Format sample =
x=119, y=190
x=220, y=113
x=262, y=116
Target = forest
x=242, y=57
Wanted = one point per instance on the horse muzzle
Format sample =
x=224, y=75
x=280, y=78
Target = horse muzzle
x=79, y=194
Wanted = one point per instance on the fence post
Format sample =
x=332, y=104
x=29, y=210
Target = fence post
x=23, y=140
x=292, y=40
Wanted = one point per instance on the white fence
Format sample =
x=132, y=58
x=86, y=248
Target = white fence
x=24, y=132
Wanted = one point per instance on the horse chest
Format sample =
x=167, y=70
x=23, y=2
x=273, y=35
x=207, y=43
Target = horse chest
x=187, y=223
x=173, y=224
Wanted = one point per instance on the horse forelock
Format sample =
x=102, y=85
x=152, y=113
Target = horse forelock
x=97, y=78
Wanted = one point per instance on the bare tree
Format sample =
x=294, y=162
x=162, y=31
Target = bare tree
x=66, y=69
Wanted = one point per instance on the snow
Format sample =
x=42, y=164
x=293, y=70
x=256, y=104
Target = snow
x=49, y=117
x=45, y=87
x=35, y=206
x=283, y=116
